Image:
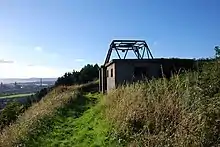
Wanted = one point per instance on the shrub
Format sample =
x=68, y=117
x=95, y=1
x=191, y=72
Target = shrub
x=209, y=78
x=10, y=113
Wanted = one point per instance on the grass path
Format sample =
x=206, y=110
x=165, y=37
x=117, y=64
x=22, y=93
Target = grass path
x=79, y=125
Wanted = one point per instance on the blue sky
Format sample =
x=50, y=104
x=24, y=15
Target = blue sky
x=45, y=38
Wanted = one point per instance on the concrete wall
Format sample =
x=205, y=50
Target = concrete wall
x=125, y=70
x=110, y=79
x=102, y=79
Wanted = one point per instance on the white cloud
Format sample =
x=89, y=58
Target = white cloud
x=23, y=71
x=38, y=48
x=79, y=60
x=21, y=62
x=6, y=61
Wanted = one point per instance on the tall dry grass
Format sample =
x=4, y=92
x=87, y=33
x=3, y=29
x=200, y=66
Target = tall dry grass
x=31, y=118
x=165, y=112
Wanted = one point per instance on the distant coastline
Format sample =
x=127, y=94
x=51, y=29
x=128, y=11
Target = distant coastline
x=23, y=80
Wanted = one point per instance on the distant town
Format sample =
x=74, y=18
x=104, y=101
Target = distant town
x=24, y=86
x=20, y=89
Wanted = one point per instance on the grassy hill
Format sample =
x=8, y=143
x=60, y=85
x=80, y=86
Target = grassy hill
x=63, y=111
x=80, y=124
x=181, y=111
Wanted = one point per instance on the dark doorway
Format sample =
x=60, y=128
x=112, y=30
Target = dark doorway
x=140, y=73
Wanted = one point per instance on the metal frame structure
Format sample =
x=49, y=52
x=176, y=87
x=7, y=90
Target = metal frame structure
x=139, y=47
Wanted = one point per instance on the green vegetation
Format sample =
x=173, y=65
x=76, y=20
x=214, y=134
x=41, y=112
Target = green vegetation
x=87, y=74
x=217, y=52
x=181, y=111
x=10, y=113
x=53, y=120
x=40, y=114
x=17, y=95
x=79, y=124
x=33, y=117
x=13, y=109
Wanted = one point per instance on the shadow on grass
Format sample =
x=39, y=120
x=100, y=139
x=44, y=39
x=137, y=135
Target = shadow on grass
x=76, y=107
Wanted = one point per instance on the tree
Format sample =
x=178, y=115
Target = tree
x=10, y=113
x=89, y=73
x=217, y=52
x=86, y=74
x=40, y=94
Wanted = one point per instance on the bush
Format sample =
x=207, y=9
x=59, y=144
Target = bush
x=209, y=78
x=10, y=113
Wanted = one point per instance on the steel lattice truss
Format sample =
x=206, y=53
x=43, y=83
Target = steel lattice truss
x=138, y=47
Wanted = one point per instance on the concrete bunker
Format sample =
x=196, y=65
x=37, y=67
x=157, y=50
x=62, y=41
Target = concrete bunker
x=122, y=70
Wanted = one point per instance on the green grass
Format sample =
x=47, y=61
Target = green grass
x=17, y=95
x=33, y=118
x=181, y=111
x=81, y=124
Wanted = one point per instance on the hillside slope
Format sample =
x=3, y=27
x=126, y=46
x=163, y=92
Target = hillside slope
x=67, y=116
x=33, y=118
x=181, y=111
x=80, y=124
